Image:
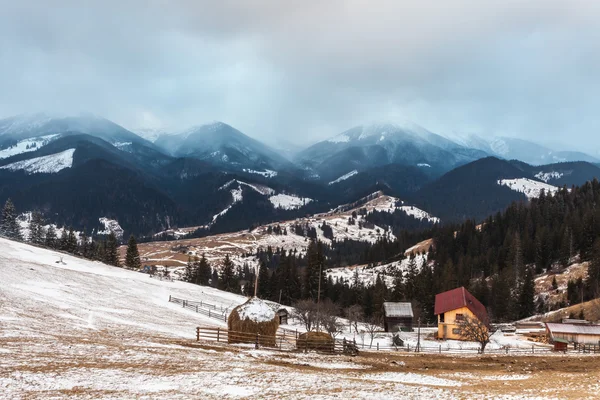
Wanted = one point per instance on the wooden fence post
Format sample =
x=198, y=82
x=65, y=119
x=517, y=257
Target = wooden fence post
x=377, y=346
x=440, y=349
x=218, y=334
x=256, y=344
x=532, y=349
x=169, y=298
x=197, y=334
x=196, y=308
x=209, y=313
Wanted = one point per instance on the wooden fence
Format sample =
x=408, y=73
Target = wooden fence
x=210, y=310
x=286, y=340
x=290, y=340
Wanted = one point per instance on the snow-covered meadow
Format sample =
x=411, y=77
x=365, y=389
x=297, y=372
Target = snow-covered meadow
x=81, y=329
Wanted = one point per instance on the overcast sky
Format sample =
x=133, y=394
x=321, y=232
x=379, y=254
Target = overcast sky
x=305, y=70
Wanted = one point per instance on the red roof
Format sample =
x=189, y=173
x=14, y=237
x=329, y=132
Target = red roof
x=458, y=298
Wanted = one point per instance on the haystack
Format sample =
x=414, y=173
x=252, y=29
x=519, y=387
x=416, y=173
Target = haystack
x=251, y=318
x=320, y=341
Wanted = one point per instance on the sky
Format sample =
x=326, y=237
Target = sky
x=301, y=71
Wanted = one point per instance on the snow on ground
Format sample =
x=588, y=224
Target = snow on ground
x=44, y=165
x=82, y=329
x=343, y=138
x=546, y=176
x=236, y=196
x=267, y=173
x=24, y=221
x=264, y=190
x=27, y=145
x=110, y=225
x=344, y=177
x=368, y=274
x=531, y=189
x=289, y=202
x=390, y=204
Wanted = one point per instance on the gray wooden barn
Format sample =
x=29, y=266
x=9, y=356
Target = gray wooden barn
x=397, y=316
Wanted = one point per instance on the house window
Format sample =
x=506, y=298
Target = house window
x=442, y=317
x=456, y=331
x=460, y=317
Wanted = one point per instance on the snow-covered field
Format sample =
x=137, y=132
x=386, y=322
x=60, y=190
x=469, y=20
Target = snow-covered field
x=532, y=189
x=81, y=329
x=27, y=145
x=44, y=165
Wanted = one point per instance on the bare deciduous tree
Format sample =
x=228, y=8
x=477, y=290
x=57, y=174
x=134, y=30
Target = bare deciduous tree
x=306, y=312
x=372, y=326
x=354, y=314
x=474, y=330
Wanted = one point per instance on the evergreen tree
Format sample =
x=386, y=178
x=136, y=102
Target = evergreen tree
x=526, y=296
x=592, y=282
x=228, y=280
x=204, y=271
x=51, y=237
x=111, y=252
x=264, y=287
x=9, y=226
x=71, y=241
x=63, y=242
x=132, y=257
x=191, y=273
x=37, y=232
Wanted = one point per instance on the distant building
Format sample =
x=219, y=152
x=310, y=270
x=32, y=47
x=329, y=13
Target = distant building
x=573, y=333
x=453, y=306
x=397, y=316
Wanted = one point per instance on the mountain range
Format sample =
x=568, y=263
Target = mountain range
x=77, y=169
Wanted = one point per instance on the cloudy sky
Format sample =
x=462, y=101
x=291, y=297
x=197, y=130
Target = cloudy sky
x=303, y=70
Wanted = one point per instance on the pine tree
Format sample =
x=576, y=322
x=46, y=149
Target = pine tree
x=204, y=271
x=264, y=287
x=63, y=242
x=9, y=225
x=71, y=241
x=228, y=281
x=592, y=282
x=51, y=237
x=111, y=252
x=526, y=296
x=132, y=257
x=36, y=228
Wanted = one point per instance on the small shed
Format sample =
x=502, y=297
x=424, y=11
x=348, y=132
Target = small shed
x=397, y=316
x=574, y=333
x=282, y=314
x=560, y=344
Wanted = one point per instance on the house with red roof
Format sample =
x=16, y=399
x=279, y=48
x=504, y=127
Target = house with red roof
x=453, y=306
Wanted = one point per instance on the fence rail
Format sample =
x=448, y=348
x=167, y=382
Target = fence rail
x=290, y=340
x=200, y=307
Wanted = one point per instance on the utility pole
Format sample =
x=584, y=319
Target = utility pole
x=280, y=292
x=319, y=294
x=419, y=335
x=256, y=280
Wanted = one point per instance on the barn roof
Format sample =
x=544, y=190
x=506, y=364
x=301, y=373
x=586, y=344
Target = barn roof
x=458, y=298
x=397, y=309
x=574, y=329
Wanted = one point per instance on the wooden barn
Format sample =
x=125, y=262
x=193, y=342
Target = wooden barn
x=453, y=306
x=397, y=316
x=573, y=333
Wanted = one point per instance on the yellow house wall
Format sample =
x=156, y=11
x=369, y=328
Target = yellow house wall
x=450, y=323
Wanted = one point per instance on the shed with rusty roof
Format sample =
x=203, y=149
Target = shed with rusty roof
x=397, y=316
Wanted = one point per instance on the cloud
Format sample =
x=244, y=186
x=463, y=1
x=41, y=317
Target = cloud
x=307, y=70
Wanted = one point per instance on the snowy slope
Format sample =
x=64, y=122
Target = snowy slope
x=344, y=177
x=531, y=189
x=288, y=202
x=44, y=165
x=88, y=295
x=547, y=176
x=27, y=145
